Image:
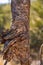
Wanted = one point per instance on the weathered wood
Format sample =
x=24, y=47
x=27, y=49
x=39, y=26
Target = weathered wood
x=19, y=31
x=27, y=63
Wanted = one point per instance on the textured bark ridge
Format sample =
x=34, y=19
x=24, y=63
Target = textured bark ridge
x=18, y=36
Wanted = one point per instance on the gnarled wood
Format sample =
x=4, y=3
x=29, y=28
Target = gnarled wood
x=19, y=32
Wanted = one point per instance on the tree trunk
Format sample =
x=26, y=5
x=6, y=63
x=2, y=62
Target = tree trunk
x=18, y=36
x=27, y=63
x=20, y=15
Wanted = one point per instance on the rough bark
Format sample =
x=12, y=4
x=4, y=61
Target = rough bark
x=18, y=36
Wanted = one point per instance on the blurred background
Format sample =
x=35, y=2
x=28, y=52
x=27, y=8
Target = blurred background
x=36, y=22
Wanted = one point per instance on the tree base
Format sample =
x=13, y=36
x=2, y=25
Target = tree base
x=27, y=63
